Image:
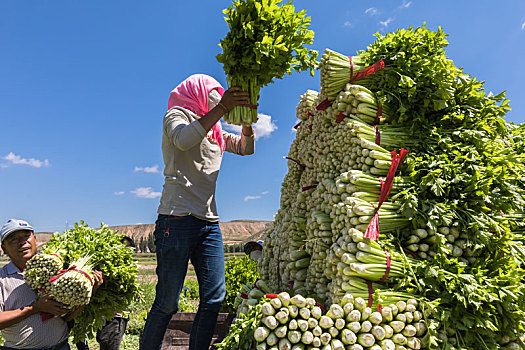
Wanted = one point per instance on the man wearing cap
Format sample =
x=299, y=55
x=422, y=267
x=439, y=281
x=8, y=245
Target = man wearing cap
x=20, y=314
x=254, y=250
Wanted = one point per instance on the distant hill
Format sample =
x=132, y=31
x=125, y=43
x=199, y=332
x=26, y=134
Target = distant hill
x=233, y=232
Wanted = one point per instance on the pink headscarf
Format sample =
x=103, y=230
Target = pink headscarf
x=192, y=94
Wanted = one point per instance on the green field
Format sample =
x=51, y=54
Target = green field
x=148, y=261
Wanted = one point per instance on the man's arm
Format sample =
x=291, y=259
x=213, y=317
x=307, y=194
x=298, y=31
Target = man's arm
x=44, y=304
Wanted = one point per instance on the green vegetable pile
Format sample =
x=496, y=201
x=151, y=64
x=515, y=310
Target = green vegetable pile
x=451, y=228
x=239, y=271
x=266, y=41
x=113, y=259
x=241, y=331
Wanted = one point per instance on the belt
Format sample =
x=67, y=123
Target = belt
x=54, y=347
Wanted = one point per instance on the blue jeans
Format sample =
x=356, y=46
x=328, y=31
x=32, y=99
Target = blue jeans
x=177, y=240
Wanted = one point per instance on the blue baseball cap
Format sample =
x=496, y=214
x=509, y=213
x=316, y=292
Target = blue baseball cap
x=248, y=247
x=14, y=225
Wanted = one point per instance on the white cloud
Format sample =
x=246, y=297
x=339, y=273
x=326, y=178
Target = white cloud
x=347, y=24
x=263, y=128
x=119, y=193
x=14, y=159
x=371, y=11
x=406, y=4
x=145, y=192
x=151, y=169
x=247, y=198
x=386, y=23
x=523, y=26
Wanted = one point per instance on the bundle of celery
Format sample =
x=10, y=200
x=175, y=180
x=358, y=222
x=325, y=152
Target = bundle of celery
x=306, y=105
x=40, y=268
x=106, y=254
x=266, y=41
x=74, y=286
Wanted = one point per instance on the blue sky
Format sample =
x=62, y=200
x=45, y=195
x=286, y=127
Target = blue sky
x=84, y=86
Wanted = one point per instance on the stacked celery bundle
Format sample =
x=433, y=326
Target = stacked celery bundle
x=448, y=212
x=279, y=321
x=40, y=268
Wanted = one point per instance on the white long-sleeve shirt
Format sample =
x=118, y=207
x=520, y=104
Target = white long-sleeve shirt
x=191, y=165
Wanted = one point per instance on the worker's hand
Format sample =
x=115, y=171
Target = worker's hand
x=233, y=97
x=99, y=279
x=49, y=305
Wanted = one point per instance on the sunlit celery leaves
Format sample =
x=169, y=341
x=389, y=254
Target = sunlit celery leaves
x=109, y=256
x=267, y=39
x=466, y=168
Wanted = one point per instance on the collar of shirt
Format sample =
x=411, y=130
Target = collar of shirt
x=11, y=269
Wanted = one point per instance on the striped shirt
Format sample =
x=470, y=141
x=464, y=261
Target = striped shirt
x=31, y=332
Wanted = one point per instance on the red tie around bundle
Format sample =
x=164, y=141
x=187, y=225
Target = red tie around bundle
x=250, y=106
x=370, y=293
x=71, y=268
x=306, y=188
x=387, y=272
x=372, y=231
x=351, y=68
x=293, y=160
x=379, y=113
x=366, y=72
x=321, y=306
x=412, y=254
x=324, y=105
x=359, y=75
x=378, y=136
x=340, y=117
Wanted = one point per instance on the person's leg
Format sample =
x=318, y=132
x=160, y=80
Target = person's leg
x=82, y=345
x=174, y=240
x=100, y=332
x=208, y=260
x=110, y=336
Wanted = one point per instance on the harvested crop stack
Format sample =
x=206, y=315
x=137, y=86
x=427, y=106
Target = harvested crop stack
x=406, y=182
